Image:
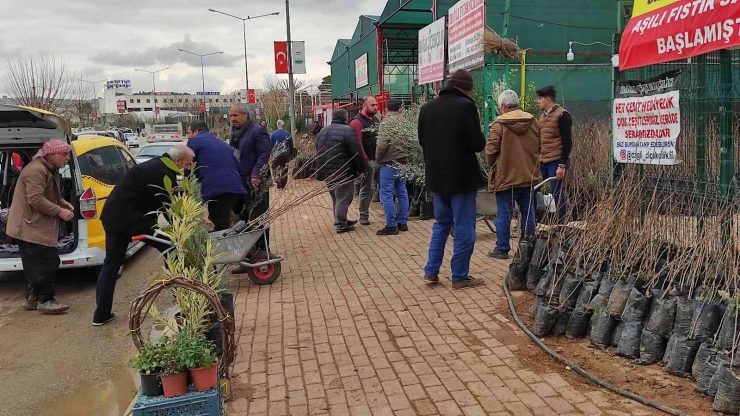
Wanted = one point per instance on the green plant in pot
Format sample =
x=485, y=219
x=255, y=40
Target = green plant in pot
x=150, y=362
x=174, y=377
x=196, y=353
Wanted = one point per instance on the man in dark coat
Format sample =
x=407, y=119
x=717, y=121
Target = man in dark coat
x=131, y=210
x=450, y=136
x=339, y=160
x=252, y=144
x=218, y=172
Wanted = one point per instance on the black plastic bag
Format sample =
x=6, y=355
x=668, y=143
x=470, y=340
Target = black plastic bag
x=602, y=296
x=704, y=368
x=562, y=322
x=629, y=343
x=526, y=249
x=516, y=278
x=588, y=291
x=545, y=319
x=705, y=320
x=602, y=327
x=539, y=255
x=578, y=323
x=636, y=307
x=722, y=362
x=534, y=275
x=661, y=317
x=670, y=348
x=684, y=312
x=727, y=399
x=652, y=348
x=570, y=290
x=618, y=298
x=617, y=334
x=683, y=357
x=543, y=286
x=729, y=330
x=535, y=305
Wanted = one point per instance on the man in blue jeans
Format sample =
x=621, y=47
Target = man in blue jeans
x=513, y=151
x=556, y=141
x=450, y=136
x=389, y=156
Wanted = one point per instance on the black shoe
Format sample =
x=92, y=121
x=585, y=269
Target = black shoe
x=103, y=321
x=388, y=231
x=365, y=222
x=403, y=227
x=498, y=254
x=351, y=223
x=431, y=279
x=345, y=229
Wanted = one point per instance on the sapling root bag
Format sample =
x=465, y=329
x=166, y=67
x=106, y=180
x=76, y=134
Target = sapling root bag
x=629, y=343
x=705, y=320
x=602, y=297
x=670, y=348
x=535, y=305
x=683, y=357
x=617, y=334
x=729, y=330
x=578, y=323
x=636, y=307
x=652, y=347
x=544, y=284
x=534, y=275
x=722, y=363
x=727, y=399
x=704, y=368
x=684, y=312
x=562, y=322
x=588, y=291
x=516, y=278
x=526, y=249
x=602, y=327
x=539, y=255
x=661, y=317
x=570, y=290
x=545, y=319
x=618, y=298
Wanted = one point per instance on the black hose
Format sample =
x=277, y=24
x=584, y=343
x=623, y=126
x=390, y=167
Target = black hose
x=583, y=372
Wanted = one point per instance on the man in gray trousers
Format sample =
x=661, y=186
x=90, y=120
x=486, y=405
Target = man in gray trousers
x=339, y=160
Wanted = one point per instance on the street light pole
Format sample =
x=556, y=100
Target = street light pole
x=291, y=85
x=154, y=89
x=244, y=29
x=202, y=75
x=95, y=90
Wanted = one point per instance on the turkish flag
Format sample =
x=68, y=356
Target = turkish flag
x=202, y=107
x=252, y=97
x=281, y=57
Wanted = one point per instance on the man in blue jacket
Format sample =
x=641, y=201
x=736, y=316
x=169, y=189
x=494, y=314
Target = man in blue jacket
x=252, y=144
x=217, y=170
x=281, y=153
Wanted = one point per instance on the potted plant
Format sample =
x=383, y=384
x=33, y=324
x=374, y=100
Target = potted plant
x=150, y=362
x=174, y=377
x=195, y=352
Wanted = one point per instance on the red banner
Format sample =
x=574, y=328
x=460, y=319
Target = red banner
x=252, y=97
x=679, y=30
x=281, y=57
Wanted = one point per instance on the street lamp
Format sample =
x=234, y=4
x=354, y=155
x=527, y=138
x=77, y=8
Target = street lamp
x=154, y=88
x=244, y=28
x=95, y=91
x=201, y=63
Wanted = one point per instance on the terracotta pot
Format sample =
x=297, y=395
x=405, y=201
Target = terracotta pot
x=175, y=385
x=205, y=378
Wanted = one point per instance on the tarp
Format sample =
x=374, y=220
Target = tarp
x=668, y=30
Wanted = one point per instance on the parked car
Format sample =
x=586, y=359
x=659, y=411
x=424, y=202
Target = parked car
x=97, y=163
x=116, y=134
x=150, y=151
x=131, y=140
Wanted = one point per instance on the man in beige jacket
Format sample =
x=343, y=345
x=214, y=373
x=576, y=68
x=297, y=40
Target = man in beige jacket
x=388, y=157
x=513, y=152
x=33, y=221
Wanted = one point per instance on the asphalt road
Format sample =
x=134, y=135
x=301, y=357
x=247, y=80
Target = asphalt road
x=62, y=365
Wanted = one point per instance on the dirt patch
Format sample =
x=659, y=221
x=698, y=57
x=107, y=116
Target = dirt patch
x=650, y=382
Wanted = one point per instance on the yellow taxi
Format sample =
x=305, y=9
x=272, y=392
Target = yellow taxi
x=96, y=165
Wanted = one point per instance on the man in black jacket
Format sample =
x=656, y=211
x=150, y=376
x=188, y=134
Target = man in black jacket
x=129, y=211
x=450, y=136
x=339, y=160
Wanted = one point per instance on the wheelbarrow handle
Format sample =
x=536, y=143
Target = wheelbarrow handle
x=149, y=237
x=541, y=184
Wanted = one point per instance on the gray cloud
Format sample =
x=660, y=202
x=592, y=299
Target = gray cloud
x=167, y=55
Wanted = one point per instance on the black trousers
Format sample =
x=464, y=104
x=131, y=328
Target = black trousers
x=40, y=267
x=116, y=245
x=220, y=209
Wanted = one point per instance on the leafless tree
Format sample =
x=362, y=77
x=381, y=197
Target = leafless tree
x=42, y=82
x=81, y=100
x=275, y=96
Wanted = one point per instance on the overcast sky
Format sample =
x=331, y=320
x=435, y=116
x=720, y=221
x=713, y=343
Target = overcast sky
x=107, y=40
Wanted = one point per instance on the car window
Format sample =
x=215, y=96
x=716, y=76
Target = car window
x=104, y=164
x=128, y=161
x=152, y=151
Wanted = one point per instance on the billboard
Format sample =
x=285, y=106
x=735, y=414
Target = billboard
x=208, y=93
x=466, y=24
x=118, y=83
x=299, y=57
x=432, y=52
x=361, y=78
x=121, y=106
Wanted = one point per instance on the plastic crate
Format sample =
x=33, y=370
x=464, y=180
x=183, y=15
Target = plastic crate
x=193, y=403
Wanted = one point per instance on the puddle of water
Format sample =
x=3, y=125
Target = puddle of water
x=107, y=398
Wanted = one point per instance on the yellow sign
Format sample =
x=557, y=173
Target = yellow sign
x=646, y=6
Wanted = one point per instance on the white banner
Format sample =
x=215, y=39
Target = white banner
x=647, y=121
x=432, y=52
x=299, y=57
x=361, y=71
x=466, y=24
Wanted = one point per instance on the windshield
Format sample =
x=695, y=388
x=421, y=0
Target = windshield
x=130, y=136
x=167, y=129
x=148, y=152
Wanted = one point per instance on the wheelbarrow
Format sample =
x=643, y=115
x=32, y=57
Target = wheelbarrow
x=232, y=247
x=486, y=207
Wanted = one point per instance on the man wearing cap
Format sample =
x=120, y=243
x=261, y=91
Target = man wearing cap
x=450, y=136
x=33, y=220
x=556, y=142
x=389, y=156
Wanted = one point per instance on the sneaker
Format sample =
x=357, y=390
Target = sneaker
x=30, y=304
x=431, y=279
x=52, y=307
x=388, y=231
x=345, y=229
x=498, y=254
x=365, y=222
x=101, y=322
x=403, y=227
x=467, y=282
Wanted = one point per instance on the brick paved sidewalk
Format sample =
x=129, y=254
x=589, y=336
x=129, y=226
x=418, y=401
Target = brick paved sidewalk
x=350, y=328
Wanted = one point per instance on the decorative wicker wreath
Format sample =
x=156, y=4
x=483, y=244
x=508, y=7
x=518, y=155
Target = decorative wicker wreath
x=140, y=310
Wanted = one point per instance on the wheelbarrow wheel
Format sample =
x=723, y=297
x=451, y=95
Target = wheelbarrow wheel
x=264, y=275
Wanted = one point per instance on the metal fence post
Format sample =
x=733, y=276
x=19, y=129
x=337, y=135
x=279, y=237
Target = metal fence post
x=701, y=144
x=727, y=151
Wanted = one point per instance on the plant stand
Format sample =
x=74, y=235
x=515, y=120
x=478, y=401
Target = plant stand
x=193, y=403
